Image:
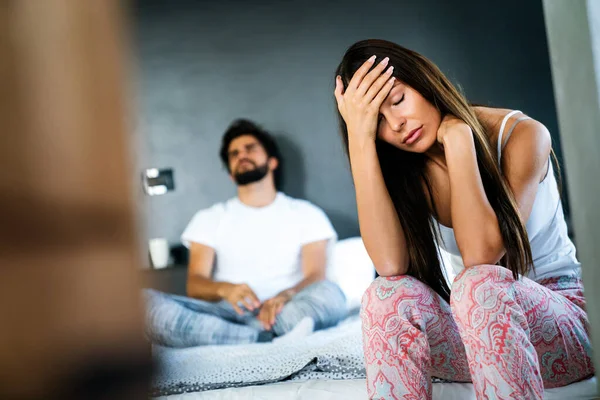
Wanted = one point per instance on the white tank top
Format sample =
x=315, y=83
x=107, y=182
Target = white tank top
x=552, y=250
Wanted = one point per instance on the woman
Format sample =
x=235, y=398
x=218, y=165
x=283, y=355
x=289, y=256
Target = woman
x=431, y=169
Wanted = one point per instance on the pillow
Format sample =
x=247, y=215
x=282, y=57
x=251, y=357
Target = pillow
x=351, y=268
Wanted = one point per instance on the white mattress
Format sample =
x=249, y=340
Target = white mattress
x=356, y=390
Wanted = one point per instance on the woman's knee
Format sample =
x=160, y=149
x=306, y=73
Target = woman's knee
x=385, y=293
x=473, y=283
x=473, y=277
x=385, y=287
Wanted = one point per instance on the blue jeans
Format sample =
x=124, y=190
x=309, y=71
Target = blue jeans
x=179, y=321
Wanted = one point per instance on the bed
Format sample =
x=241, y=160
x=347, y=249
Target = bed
x=355, y=389
x=328, y=364
x=325, y=365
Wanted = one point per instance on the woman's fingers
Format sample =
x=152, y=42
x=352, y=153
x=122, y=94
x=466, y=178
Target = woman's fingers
x=339, y=91
x=365, y=85
x=383, y=93
x=371, y=77
x=360, y=74
x=378, y=85
x=359, y=101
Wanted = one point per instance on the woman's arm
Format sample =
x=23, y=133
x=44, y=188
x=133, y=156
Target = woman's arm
x=359, y=106
x=474, y=221
x=379, y=225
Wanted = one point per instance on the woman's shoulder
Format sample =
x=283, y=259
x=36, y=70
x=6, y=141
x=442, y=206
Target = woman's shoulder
x=527, y=131
x=491, y=118
x=526, y=144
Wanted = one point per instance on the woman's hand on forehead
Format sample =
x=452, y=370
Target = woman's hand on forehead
x=360, y=101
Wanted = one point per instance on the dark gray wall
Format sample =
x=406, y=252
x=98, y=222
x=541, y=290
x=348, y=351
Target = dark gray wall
x=202, y=64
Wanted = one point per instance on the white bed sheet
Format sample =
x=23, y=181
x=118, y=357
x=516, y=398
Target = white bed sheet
x=355, y=390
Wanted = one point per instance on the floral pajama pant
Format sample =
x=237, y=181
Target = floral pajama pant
x=511, y=338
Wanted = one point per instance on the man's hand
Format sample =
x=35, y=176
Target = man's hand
x=236, y=294
x=271, y=308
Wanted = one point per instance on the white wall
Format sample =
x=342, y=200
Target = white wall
x=573, y=29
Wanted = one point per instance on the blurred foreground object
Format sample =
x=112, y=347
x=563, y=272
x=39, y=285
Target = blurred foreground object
x=70, y=305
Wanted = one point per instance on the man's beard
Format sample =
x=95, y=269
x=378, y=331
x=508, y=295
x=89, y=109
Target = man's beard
x=251, y=176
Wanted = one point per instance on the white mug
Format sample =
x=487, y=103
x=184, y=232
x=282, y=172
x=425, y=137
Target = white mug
x=159, y=252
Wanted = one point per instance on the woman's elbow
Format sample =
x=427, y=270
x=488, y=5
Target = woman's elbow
x=386, y=269
x=482, y=254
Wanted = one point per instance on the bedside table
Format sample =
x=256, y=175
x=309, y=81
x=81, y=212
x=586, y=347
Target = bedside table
x=171, y=279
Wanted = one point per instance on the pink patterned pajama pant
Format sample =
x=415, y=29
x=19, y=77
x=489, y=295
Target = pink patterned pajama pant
x=510, y=338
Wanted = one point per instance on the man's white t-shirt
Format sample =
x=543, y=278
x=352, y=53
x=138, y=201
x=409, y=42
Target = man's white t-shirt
x=259, y=246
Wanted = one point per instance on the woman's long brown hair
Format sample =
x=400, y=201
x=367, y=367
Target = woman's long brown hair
x=404, y=172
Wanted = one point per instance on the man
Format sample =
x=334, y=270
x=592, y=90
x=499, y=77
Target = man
x=257, y=262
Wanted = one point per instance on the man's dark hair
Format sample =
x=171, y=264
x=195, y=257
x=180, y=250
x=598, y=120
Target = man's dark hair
x=242, y=127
